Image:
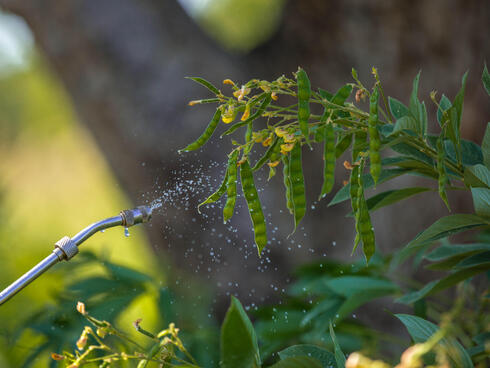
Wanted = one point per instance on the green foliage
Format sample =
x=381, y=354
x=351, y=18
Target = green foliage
x=400, y=133
x=239, y=346
x=325, y=294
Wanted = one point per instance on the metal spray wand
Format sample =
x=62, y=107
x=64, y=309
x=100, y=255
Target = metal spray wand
x=66, y=248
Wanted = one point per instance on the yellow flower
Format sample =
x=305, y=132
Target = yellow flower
x=246, y=114
x=267, y=141
x=242, y=92
x=273, y=164
x=285, y=148
x=229, y=115
x=280, y=132
x=289, y=138
x=274, y=96
x=229, y=81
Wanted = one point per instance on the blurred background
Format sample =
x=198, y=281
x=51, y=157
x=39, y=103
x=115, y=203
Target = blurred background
x=93, y=108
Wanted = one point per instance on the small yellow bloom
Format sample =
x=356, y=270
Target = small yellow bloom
x=55, y=356
x=348, y=165
x=229, y=115
x=285, y=148
x=280, y=132
x=81, y=308
x=289, y=138
x=257, y=137
x=273, y=164
x=229, y=81
x=246, y=114
x=194, y=102
x=267, y=141
x=242, y=92
x=274, y=96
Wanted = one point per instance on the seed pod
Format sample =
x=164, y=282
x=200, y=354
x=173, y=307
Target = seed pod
x=364, y=228
x=287, y=183
x=254, y=206
x=206, y=134
x=328, y=160
x=231, y=187
x=268, y=155
x=304, y=93
x=297, y=184
x=441, y=170
x=216, y=195
x=374, y=139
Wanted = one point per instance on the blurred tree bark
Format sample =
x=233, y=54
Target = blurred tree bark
x=123, y=63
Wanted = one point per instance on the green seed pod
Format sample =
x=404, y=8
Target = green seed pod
x=216, y=195
x=208, y=132
x=254, y=206
x=441, y=170
x=304, y=93
x=328, y=160
x=232, y=170
x=297, y=184
x=287, y=183
x=374, y=139
x=270, y=154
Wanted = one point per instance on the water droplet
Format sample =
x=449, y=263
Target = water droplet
x=126, y=232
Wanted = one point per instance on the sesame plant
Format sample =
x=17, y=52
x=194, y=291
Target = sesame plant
x=314, y=325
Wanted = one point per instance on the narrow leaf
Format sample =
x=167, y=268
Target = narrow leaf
x=440, y=229
x=485, y=147
x=485, y=78
x=444, y=105
x=339, y=355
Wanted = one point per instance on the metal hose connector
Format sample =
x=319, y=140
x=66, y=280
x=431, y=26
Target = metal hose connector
x=66, y=248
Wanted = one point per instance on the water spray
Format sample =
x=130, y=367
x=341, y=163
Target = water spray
x=66, y=248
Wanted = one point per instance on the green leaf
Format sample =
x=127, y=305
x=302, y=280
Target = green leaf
x=326, y=309
x=446, y=251
x=397, y=108
x=481, y=201
x=444, y=283
x=339, y=355
x=351, y=285
x=485, y=147
x=477, y=176
x=127, y=274
x=471, y=153
x=421, y=330
x=485, y=78
x=444, y=105
x=392, y=196
x=406, y=123
x=342, y=144
x=414, y=99
x=205, y=83
x=354, y=301
x=342, y=94
x=442, y=228
x=448, y=255
x=239, y=348
x=325, y=357
x=298, y=362
x=480, y=259
x=344, y=193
